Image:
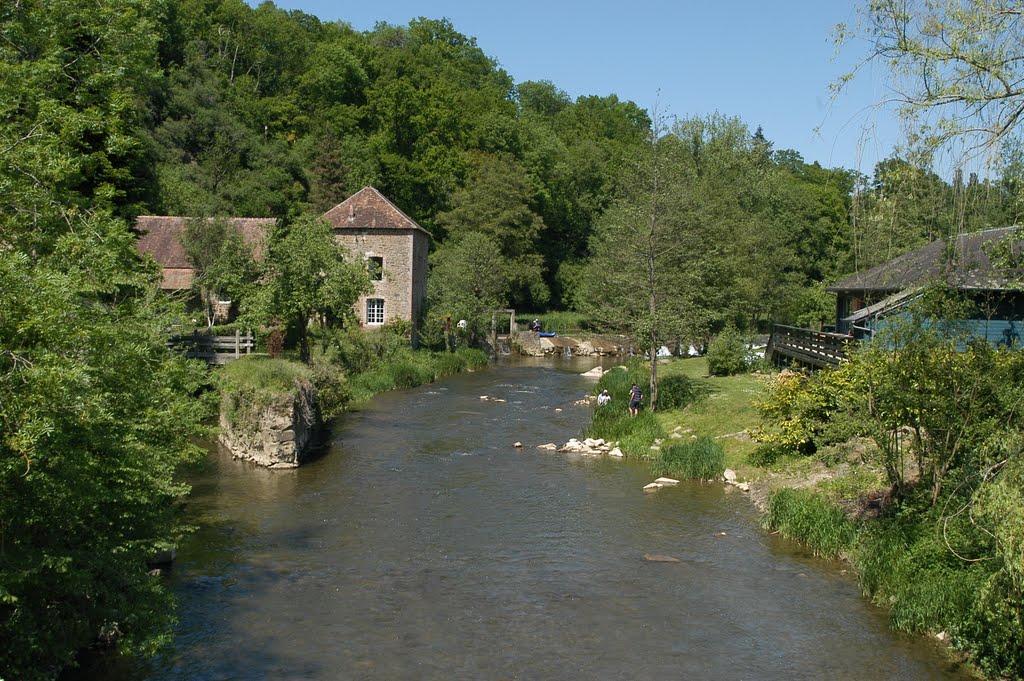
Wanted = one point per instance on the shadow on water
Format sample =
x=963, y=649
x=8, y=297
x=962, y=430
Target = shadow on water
x=425, y=546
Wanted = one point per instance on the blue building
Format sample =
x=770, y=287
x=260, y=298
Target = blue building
x=985, y=266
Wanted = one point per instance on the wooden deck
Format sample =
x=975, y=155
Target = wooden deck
x=812, y=348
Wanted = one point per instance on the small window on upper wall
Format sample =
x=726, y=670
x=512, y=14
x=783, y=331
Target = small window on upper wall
x=375, y=265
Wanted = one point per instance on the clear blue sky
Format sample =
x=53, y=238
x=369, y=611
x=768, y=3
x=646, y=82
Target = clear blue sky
x=768, y=63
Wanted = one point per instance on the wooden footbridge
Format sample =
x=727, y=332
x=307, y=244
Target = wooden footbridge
x=816, y=349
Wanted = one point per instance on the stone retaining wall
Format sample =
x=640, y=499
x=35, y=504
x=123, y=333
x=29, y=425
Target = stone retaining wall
x=284, y=435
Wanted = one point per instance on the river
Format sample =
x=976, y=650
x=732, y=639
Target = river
x=424, y=546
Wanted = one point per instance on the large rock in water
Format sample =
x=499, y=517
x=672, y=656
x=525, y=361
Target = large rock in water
x=283, y=435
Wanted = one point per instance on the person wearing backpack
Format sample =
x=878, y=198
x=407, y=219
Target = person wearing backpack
x=636, y=396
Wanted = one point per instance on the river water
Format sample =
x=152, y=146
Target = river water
x=424, y=546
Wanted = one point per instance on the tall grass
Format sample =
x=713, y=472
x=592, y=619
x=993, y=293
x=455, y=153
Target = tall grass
x=406, y=368
x=802, y=515
x=263, y=374
x=904, y=564
x=633, y=433
x=700, y=459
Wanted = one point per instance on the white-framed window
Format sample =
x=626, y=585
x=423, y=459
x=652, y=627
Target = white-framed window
x=375, y=265
x=374, y=311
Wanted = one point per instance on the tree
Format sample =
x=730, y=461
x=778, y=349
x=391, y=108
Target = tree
x=650, y=256
x=496, y=202
x=469, y=279
x=959, y=60
x=223, y=263
x=94, y=420
x=307, y=277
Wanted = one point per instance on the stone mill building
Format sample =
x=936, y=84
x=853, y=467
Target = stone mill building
x=395, y=250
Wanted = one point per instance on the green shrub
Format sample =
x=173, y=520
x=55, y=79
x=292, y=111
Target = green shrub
x=407, y=372
x=904, y=563
x=676, y=392
x=474, y=358
x=700, y=459
x=332, y=389
x=727, y=353
x=448, y=363
x=767, y=453
x=370, y=383
x=802, y=515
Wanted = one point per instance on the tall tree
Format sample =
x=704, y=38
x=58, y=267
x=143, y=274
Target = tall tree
x=94, y=415
x=223, y=263
x=651, y=258
x=959, y=64
x=307, y=278
x=469, y=280
x=497, y=202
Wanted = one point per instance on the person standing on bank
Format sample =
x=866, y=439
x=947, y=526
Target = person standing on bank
x=635, y=397
x=604, y=398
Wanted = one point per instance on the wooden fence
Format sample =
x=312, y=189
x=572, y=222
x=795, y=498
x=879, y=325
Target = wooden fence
x=214, y=349
x=814, y=348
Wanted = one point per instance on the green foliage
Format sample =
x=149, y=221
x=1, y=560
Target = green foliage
x=250, y=385
x=700, y=459
x=470, y=279
x=271, y=376
x=678, y=391
x=804, y=516
x=496, y=203
x=905, y=562
x=223, y=263
x=308, y=276
x=767, y=453
x=727, y=353
x=332, y=389
x=95, y=418
x=634, y=434
x=797, y=409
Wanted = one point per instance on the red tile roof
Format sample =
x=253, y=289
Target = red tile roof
x=369, y=209
x=161, y=237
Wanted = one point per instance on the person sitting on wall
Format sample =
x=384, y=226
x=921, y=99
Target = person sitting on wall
x=535, y=325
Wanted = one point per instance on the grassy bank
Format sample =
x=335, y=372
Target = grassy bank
x=348, y=368
x=927, y=563
x=692, y=406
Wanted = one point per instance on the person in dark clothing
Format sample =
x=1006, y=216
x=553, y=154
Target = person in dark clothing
x=636, y=396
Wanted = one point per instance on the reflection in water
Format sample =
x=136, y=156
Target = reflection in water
x=424, y=546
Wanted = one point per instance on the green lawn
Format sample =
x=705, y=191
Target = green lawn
x=727, y=408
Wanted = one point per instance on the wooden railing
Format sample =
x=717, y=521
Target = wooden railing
x=814, y=348
x=214, y=349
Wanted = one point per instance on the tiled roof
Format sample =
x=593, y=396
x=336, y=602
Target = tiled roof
x=161, y=237
x=176, y=278
x=963, y=263
x=369, y=209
